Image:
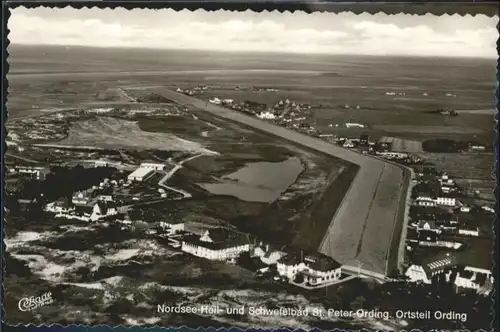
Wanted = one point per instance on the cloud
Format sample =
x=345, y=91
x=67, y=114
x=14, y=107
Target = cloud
x=248, y=31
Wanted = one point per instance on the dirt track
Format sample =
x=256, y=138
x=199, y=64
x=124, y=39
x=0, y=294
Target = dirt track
x=362, y=227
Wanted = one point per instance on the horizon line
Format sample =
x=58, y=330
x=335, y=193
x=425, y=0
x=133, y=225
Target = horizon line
x=257, y=52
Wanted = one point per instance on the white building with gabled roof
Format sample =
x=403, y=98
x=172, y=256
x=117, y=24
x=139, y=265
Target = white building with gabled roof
x=153, y=166
x=425, y=271
x=103, y=209
x=217, y=244
x=140, y=174
x=314, y=268
x=446, y=201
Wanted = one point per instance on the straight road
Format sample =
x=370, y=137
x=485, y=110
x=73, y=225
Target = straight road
x=362, y=227
x=22, y=158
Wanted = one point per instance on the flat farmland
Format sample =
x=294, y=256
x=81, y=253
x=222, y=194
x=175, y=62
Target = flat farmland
x=367, y=205
x=472, y=171
x=467, y=165
x=427, y=129
x=380, y=114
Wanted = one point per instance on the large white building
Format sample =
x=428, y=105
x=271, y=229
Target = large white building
x=217, y=244
x=446, y=201
x=427, y=270
x=140, y=174
x=425, y=201
x=313, y=268
x=38, y=173
x=153, y=166
x=474, y=278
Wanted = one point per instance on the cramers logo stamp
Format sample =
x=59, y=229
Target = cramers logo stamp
x=33, y=302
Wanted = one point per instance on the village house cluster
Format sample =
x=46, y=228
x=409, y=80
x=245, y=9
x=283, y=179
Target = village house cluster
x=110, y=196
x=197, y=90
x=438, y=219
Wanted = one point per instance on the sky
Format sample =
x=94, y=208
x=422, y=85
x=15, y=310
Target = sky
x=298, y=32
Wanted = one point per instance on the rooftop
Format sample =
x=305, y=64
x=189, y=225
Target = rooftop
x=152, y=164
x=105, y=206
x=440, y=262
x=313, y=260
x=427, y=235
x=386, y=140
x=140, y=172
x=217, y=239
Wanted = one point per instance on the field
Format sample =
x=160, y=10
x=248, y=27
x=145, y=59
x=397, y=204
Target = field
x=408, y=146
x=404, y=145
x=109, y=132
x=473, y=171
x=478, y=166
x=478, y=253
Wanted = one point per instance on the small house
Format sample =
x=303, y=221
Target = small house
x=427, y=236
x=425, y=201
x=103, y=209
x=60, y=206
x=171, y=228
x=428, y=225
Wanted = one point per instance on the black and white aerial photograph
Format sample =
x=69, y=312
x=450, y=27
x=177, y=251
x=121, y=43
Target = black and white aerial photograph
x=253, y=170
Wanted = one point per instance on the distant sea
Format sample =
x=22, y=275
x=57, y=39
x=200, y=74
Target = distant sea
x=24, y=58
x=471, y=81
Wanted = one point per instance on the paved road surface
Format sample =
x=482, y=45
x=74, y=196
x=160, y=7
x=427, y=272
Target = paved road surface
x=362, y=227
x=169, y=174
x=363, y=273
